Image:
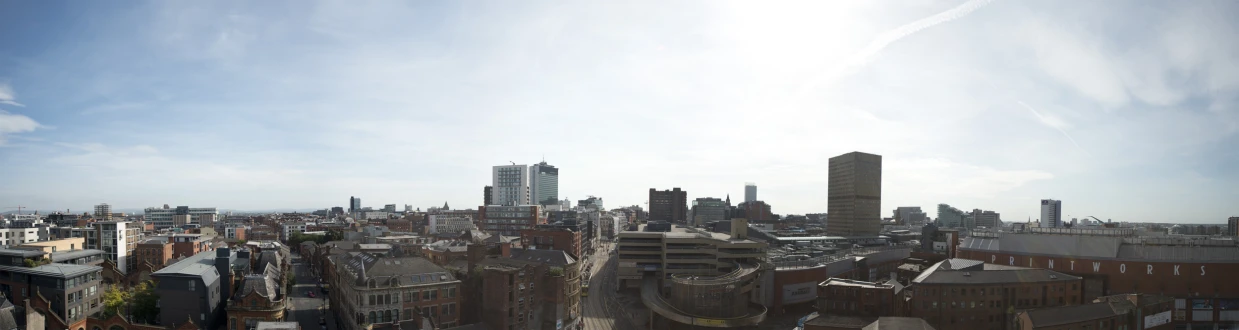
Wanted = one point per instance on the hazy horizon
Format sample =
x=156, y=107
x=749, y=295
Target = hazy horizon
x=1123, y=110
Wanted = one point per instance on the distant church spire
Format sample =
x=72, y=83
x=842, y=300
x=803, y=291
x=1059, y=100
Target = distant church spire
x=445, y=206
x=728, y=199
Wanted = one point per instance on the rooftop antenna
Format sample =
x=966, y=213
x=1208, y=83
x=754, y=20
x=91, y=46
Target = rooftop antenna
x=513, y=163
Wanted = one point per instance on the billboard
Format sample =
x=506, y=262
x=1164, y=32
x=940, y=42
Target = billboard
x=1156, y=319
x=799, y=292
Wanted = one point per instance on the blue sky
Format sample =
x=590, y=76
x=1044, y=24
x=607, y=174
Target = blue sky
x=1122, y=109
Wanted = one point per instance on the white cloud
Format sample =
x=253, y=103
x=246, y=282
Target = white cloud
x=7, y=96
x=11, y=123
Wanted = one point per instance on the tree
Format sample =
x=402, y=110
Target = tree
x=145, y=302
x=113, y=300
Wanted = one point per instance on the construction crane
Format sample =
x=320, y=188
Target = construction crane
x=19, y=208
x=1098, y=220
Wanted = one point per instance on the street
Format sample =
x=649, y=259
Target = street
x=303, y=309
x=598, y=313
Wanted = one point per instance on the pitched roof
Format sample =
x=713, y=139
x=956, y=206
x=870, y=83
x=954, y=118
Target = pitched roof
x=411, y=269
x=8, y=321
x=269, y=258
x=201, y=264
x=550, y=257
x=1045, y=317
x=264, y=284
x=974, y=272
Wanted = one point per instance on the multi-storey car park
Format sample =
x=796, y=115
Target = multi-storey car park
x=710, y=276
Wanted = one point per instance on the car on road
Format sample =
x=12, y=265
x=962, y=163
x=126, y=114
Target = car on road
x=310, y=294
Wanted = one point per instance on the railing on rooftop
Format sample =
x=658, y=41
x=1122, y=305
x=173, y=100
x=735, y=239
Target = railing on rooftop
x=826, y=259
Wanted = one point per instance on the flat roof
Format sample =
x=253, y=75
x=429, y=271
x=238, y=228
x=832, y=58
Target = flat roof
x=681, y=232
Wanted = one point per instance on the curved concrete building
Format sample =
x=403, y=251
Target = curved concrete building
x=694, y=277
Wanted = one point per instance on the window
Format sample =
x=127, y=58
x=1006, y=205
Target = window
x=451, y=293
x=371, y=300
x=408, y=313
x=191, y=285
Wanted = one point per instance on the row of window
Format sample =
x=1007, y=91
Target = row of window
x=411, y=296
x=388, y=316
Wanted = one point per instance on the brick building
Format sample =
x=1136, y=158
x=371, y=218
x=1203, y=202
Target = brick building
x=851, y=297
x=755, y=211
x=445, y=252
x=1129, y=311
x=155, y=251
x=529, y=289
x=258, y=298
x=970, y=294
x=669, y=205
x=509, y=220
x=386, y=291
x=550, y=237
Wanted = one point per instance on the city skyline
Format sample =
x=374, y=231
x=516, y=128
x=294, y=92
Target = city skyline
x=979, y=105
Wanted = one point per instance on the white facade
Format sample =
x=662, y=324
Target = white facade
x=163, y=217
x=18, y=236
x=543, y=184
x=750, y=192
x=1051, y=213
x=510, y=185
x=291, y=228
x=376, y=215
x=449, y=223
x=118, y=240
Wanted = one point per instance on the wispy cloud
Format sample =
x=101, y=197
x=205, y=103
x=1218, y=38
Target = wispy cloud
x=7, y=96
x=1055, y=123
x=871, y=51
x=11, y=123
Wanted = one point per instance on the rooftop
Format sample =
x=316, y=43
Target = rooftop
x=1052, y=316
x=54, y=269
x=277, y=326
x=964, y=271
x=419, y=269
x=69, y=255
x=201, y=264
x=898, y=323
x=550, y=257
x=682, y=232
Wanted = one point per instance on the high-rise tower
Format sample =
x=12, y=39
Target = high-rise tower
x=543, y=184
x=855, y=195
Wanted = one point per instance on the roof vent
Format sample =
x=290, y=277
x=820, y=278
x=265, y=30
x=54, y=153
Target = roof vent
x=967, y=274
x=1052, y=276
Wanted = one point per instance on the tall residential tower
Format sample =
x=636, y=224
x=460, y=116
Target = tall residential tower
x=855, y=195
x=1051, y=213
x=510, y=185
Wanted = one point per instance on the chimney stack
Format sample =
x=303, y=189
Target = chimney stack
x=505, y=249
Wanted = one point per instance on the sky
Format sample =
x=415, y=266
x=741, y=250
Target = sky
x=1124, y=110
